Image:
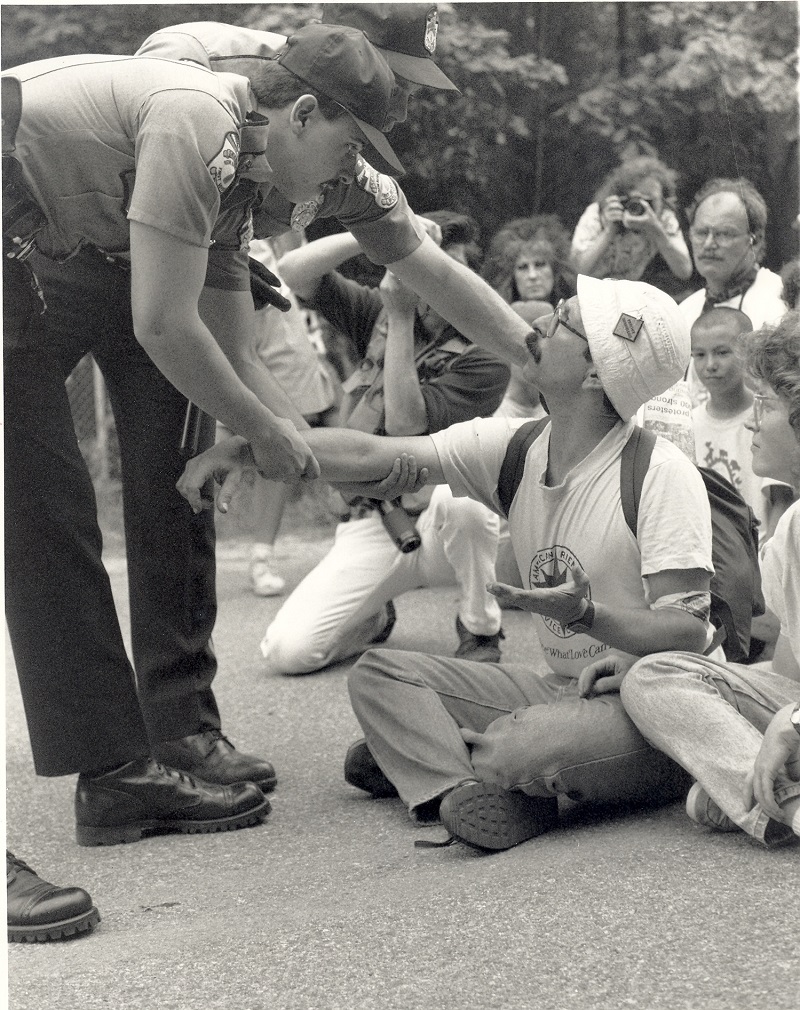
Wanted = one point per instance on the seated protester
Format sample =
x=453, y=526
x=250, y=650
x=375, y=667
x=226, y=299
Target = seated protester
x=727, y=231
x=417, y=374
x=631, y=231
x=488, y=749
x=722, y=441
x=735, y=728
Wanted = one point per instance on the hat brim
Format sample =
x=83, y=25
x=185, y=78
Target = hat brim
x=417, y=69
x=378, y=140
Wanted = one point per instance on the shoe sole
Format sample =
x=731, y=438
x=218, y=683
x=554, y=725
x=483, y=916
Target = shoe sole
x=487, y=817
x=55, y=930
x=117, y=834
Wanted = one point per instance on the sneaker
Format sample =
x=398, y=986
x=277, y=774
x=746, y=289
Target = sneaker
x=361, y=770
x=477, y=648
x=386, y=630
x=703, y=810
x=263, y=580
x=485, y=816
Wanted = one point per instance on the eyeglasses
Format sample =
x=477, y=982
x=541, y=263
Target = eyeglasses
x=559, y=320
x=759, y=399
x=722, y=236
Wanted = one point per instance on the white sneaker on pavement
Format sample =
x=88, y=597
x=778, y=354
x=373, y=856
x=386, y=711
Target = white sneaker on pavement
x=263, y=580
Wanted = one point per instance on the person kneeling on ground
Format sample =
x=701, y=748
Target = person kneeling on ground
x=417, y=374
x=489, y=748
x=736, y=729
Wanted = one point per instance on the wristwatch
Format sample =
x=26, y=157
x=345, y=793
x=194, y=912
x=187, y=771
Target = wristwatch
x=794, y=717
x=583, y=624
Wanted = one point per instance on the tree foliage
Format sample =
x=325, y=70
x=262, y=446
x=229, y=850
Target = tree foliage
x=552, y=94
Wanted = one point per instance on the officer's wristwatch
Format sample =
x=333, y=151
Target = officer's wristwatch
x=794, y=717
x=583, y=624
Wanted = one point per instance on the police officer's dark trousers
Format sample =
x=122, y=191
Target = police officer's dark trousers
x=83, y=706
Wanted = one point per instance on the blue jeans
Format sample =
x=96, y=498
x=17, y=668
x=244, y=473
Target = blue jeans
x=709, y=717
x=432, y=722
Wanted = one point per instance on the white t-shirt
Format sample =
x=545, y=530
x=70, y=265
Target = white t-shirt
x=581, y=521
x=780, y=575
x=723, y=445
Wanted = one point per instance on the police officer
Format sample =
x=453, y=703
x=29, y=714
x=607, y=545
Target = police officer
x=137, y=164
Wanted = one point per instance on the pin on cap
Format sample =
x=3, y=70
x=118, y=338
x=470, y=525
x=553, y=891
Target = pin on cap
x=405, y=33
x=628, y=327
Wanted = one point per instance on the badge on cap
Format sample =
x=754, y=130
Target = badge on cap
x=628, y=327
x=431, y=28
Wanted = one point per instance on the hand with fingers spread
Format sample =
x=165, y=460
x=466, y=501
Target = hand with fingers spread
x=603, y=676
x=780, y=751
x=565, y=603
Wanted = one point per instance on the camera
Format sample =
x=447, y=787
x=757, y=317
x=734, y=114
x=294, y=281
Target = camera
x=399, y=525
x=635, y=206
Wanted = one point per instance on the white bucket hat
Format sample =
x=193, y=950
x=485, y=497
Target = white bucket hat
x=638, y=339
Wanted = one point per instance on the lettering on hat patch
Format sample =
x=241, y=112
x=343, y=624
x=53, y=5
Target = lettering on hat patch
x=431, y=28
x=628, y=327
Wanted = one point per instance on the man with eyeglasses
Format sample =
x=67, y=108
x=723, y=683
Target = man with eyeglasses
x=727, y=232
x=489, y=748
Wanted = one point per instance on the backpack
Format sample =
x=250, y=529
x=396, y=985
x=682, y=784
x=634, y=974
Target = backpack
x=736, y=595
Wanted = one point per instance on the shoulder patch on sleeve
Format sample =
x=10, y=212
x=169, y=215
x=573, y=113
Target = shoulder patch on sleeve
x=382, y=187
x=222, y=166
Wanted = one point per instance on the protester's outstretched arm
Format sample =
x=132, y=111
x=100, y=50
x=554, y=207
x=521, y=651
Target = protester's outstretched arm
x=167, y=279
x=464, y=300
x=344, y=456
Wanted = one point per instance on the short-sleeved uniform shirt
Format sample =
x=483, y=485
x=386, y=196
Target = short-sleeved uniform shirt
x=581, y=522
x=104, y=140
x=458, y=380
x=373, y=208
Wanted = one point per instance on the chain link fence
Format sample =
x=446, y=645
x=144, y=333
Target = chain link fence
x=94, y=423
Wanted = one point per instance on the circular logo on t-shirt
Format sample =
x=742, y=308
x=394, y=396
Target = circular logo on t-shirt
x=549, y=569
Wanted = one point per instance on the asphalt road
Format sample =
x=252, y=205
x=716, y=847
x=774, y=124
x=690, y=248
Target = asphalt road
x=328, y=905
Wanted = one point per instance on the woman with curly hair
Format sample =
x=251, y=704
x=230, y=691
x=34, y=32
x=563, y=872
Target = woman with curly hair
x=631, y=231
x=528, y=260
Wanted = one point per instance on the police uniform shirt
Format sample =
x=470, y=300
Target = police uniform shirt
x=104, y=140
x=373, y=208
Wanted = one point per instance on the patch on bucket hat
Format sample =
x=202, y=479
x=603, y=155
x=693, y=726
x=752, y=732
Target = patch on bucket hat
x=628, y=327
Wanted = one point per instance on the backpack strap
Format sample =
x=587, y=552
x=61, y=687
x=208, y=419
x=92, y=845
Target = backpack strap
x=634, y=464
x=514, y=461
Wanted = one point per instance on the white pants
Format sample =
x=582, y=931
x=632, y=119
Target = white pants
x=337, y=609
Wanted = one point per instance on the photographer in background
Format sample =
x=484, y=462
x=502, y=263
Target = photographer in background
x=631, y=231
x=417, y=375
